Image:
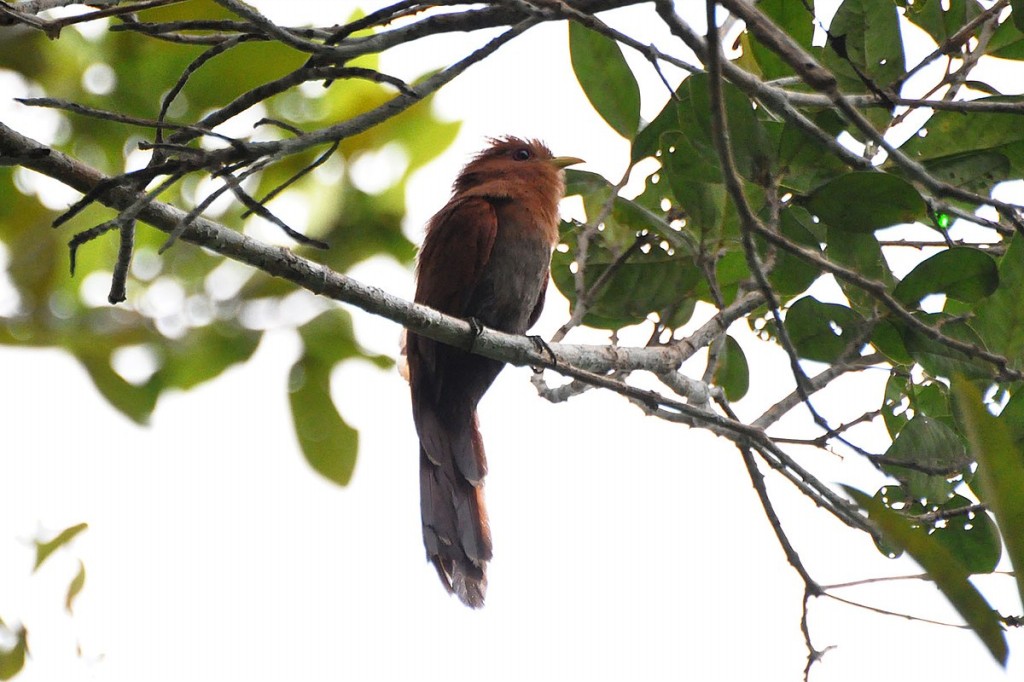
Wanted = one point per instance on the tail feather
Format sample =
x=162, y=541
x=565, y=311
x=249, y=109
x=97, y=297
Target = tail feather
x=455, y=530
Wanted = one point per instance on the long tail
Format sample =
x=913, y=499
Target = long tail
x=455, y=531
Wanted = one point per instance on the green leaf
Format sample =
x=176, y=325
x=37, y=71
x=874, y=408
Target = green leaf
x=792, y=274
x=950, y=134
x=45, y=549
x=648, y=140
x=753, y=150
x=646, y=283
x=796, y=20
x=972, y=538
x=866, y=201
x=822, y=331
x=941, y=24
x=962, y=273
x=1000, y=472
x=733, y=372
x=135, y=402
x=865, y=37
x=975, y=171
x=328, y=443
x=942, y=567
x=926, y=456
x=75, y=586
x=1018, y=13
x=206, y=352
x=999, y=319
x=13, y=660
x=606, y=78
x=938, y=359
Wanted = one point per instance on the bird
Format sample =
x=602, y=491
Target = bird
x=486, y=257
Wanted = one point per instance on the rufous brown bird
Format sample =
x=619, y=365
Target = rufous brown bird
x=485, y=257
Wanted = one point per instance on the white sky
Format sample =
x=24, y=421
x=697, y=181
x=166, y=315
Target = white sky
x=625, y=547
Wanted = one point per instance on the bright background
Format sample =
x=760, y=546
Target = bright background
x=625, y=547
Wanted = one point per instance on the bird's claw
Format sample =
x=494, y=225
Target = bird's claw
x=543, y=347
x=477, y=328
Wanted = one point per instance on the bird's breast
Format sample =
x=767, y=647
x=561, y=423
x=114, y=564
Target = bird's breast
x=516, y=273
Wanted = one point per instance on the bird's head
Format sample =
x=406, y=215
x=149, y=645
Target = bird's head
x=511, y=165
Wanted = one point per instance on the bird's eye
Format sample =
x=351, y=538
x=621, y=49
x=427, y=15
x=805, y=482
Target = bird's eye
x=521, y=154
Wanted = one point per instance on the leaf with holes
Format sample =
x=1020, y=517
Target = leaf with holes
x=822, y=331
x=943, y=568
x=866, y=201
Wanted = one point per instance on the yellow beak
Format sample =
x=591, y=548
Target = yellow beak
x=563, y=161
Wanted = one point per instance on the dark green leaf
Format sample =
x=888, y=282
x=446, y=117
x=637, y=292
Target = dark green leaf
x=1000, y=471
x=942, y=567
x=822, y=331
x=962, y=273
x=45, y=549
x=927, y=456
x=938, y=359
x=1018, y=13
x=865, y=43
x=328, y=443
x=792, y=274
x=732, y=373
x=971, y=537
x=606, y=78
x=866, y=201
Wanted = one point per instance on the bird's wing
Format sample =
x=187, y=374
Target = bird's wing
x=456, y=249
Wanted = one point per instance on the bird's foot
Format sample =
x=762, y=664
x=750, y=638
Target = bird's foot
x=543, y=347
x=477, y=328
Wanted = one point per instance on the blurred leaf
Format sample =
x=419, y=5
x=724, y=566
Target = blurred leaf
x=733, y=372
x=962, y=273
x=822, y=331
x=205, y=352
x=75, y=587
x=947, y=573
x=1017, y=13
x=13, y=660
x=861, y=252
x=606, y=78
x=1000, y=471
x=45, y=549
x=866, y=201
x=135, y=402
x=328, y=443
